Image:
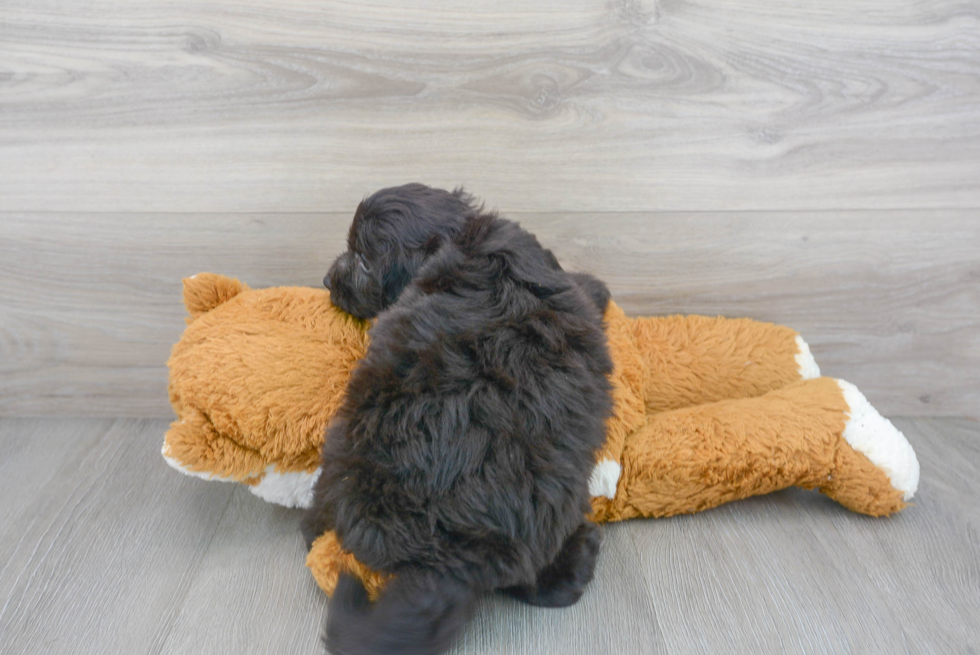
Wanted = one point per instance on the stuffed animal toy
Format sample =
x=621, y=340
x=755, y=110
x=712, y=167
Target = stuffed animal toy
x=707, y=411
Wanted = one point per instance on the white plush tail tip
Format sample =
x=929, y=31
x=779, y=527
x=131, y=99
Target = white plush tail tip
x=870, y=433
x=805, y=362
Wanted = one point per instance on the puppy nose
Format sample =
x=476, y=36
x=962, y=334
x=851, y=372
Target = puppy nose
x=326, y=281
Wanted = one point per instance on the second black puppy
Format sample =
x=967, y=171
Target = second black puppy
x=461, y=457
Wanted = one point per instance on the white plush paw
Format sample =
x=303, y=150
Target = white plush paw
x=204, y=475
x=605, y=478
x=870, y=433
x=805, y=362
x=291, y=489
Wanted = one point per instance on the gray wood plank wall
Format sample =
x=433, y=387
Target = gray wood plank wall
x=814, y=164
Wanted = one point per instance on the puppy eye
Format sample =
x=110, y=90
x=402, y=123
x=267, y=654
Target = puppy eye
x=361, y=264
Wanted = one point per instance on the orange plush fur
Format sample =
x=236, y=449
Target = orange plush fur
x=707, y=410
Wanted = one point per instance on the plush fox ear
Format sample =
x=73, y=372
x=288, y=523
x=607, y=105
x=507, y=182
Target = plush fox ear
x=205, y=291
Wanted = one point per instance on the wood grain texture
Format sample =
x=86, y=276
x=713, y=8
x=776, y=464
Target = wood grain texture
x=930, y=584
x=104, y=549
x=615, y=615
x=103, y=540
x=90, y=304
x=793, y=572
x=594, y=105
x=252, y=593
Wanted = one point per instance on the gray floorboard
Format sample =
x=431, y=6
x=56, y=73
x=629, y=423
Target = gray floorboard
x=107, y=541
x=104, y=549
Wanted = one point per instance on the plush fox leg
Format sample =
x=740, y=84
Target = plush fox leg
x=819, y=433
x=692, y=360
x=666, y=363
x=327, y=560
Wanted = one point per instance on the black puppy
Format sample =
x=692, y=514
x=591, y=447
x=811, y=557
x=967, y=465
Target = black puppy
x=461, y=456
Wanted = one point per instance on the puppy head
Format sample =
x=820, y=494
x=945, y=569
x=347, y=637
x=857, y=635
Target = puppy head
x=394, y=231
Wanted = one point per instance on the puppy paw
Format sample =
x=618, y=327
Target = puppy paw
x=563, y=581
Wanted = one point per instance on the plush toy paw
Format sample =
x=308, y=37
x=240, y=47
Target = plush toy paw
x=286, y=488
x=806, y=364
x=327, y=560
x=875, y=468
x=870, y=433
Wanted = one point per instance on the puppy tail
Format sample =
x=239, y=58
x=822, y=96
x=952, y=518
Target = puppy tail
x=418, y=612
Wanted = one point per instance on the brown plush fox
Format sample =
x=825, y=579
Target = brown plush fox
x=707, y=410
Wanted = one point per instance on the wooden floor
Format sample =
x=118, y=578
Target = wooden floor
x=105, y=549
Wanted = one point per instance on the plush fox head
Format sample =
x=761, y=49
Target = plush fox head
x=254, y=380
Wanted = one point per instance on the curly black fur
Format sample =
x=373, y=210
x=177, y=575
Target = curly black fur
x=461, y=456
x=393, y=233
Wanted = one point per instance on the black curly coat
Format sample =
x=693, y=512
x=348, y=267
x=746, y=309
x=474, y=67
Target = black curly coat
x=461, y=457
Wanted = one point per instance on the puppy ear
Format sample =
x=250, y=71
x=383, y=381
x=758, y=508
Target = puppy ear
x=394, y=281
x=533, y=267
x=594, y=288
x=516, y=252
